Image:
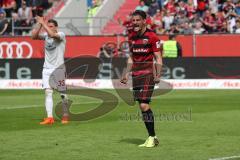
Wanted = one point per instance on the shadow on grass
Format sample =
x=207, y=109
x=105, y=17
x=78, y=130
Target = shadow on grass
x=136, y=141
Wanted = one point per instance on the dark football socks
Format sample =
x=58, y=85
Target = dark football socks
x=148, y=119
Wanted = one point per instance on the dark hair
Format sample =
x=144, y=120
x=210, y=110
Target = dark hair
x=140, y=13
x=53, y=21
x=171, y=36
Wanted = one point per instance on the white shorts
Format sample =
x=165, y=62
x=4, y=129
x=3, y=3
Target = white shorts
x=54, y=78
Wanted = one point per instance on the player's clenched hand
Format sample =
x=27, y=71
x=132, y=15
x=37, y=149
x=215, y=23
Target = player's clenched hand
x=40, y=20
x=124, y=79
x=156, y=79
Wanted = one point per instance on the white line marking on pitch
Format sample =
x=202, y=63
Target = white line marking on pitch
x=17, y=106
x=225, y=158
x=2, y=107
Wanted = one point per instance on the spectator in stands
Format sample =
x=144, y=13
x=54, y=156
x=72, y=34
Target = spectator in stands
x=201, y=7
x=174, y=29
x=46, y=4
x=225, y=28
x=220, y=4
x=170, y=7
x=237, y=9
x=149, y=2
x=36, y=6
x=18, y=4
x=186, y=29
x=3, y=22
x=157, y=22
x=172, y=48
x=25, y=16
x=142, y=6
x=229, y=14
x=9, y=6
x=213, y=6
x=198, y=29
x=195, y=18
x=228, y=8
x=159, y=28
x=181, y=18
x=231, y=23
x=237, y=30
x=208, y=21
x=157, y=18
x=191, y=10
x=153, y=8
x=160, y=4
x=219, y=19
x=182, y=7
x=167, y=19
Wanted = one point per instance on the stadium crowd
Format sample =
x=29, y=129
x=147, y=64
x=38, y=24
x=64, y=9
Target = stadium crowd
x=20, y=15
x=164, y=16
x=190, y=16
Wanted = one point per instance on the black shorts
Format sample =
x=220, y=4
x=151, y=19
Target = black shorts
x=143, y=87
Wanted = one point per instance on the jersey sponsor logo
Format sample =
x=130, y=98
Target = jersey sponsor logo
x=13, y=50
x=140, y=50
x=145, y=41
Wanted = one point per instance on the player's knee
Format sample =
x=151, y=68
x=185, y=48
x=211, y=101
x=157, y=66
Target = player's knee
x=144, y=106
x=63, y=96
x=48, y=92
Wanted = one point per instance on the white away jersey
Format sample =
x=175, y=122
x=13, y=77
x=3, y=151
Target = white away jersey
x=54, y=51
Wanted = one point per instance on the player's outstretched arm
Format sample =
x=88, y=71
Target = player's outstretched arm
x=36, y=31
x=125, y=75
x=4, y=28
x=158, y=66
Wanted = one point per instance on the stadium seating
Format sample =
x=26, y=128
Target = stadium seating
x=113, y=26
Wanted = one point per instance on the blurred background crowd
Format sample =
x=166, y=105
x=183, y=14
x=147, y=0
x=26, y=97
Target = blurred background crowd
x=164, y=16
x=20, y=14
x=190, y=16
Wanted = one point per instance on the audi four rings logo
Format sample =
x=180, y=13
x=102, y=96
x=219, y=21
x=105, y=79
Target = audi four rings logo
x=15, y=50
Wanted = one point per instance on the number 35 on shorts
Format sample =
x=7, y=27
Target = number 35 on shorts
x=61, y=83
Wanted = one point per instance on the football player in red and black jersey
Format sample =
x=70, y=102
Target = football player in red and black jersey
x=145, y=64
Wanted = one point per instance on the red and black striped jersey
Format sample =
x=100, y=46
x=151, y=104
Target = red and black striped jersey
x=143, y=48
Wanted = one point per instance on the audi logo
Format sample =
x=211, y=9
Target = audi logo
x=15, y=50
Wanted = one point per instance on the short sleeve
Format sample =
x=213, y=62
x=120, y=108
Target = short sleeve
x=61, y=35
x=156, y=43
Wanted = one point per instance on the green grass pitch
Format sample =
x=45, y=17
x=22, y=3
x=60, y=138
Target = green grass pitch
x=209, y=128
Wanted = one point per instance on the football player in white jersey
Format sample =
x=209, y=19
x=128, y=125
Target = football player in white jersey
x=53, y=75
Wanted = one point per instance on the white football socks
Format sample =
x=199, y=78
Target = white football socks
x=49, y=102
